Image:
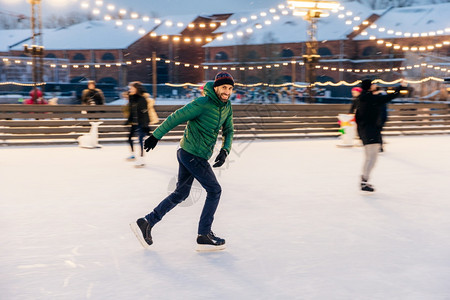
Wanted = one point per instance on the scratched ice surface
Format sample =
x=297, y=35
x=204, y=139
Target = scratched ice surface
x=295, y=224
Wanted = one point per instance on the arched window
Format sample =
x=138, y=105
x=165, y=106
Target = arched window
x=50, y=55
x=108, y=57
x=163, y=70
x=79, y=56
x=252, y=54
x=371, y=51
x=324, y=51
x=221, y=56
x=287, y=53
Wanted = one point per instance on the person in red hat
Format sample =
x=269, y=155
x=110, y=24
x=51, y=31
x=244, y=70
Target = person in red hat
x=356, y=91
x=36, y=97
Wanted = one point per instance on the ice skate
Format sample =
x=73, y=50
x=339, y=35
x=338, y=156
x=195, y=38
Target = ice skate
x=139, y=162
x=131, y=157
x=210, y=242
x=143, y=232
x=366, y=187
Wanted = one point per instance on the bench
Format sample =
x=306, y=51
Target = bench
x=63, y=124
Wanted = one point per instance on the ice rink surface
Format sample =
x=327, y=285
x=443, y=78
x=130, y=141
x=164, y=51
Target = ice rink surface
x=294, y=220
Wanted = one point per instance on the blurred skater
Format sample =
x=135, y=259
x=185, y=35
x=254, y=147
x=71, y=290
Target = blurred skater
x=138, y=118
x=92, y=95
x=205, y=116
x=368, y=120
x=356, y=91
x=36, y=97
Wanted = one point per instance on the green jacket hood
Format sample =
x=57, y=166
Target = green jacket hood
x=210, y=93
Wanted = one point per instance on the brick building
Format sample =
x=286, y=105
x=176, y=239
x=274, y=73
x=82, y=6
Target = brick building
x=255, y=47
x=119, y=52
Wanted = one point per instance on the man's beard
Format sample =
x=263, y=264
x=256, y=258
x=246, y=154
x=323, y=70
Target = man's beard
x=222, y=97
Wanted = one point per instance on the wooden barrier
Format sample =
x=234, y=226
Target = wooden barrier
x=63, y=124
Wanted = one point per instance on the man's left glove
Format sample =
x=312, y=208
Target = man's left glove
x=220, y=159
x=150, y=143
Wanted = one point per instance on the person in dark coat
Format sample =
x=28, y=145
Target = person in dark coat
x=138, y=119
x=368, y=119
x=92, y=95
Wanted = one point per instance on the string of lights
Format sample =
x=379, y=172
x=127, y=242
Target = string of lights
x=396, y=34
x=22, y=84
x=350, y=70
x=120, y=16
x=368, y=25
x=380, y=81
x=123, y=14
x=244, y=85
x=349, y=19
x=270, y=17
x=237, y=67
x=412, y=48
x=328, y=83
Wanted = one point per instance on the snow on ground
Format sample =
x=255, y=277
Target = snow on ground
x=295, y=224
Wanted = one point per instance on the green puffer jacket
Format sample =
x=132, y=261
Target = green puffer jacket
x=205, y=116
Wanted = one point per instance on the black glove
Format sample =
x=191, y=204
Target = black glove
x=150, y=143
x=220, y=159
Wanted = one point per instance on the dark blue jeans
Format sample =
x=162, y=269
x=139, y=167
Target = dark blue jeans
x=141, y=132
x=191, y=167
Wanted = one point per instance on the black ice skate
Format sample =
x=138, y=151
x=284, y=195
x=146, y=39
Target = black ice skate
x=143, y=232
x=209, y=242
x=366, y=187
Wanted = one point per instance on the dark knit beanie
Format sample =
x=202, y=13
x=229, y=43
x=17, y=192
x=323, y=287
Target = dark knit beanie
x=223, y=78
x=366, y=84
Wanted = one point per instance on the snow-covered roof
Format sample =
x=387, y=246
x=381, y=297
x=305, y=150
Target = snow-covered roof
x=108, y=34
x=292, y=29
x=415, y=19
x=97, y=35
x=174, y=25
x=288, y=29
x=11, y=37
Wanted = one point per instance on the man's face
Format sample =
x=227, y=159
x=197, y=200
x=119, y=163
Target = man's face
x=91, y=86
x=224, y=92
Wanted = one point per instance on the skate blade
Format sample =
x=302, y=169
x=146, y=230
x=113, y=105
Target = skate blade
x=366, y=193
x=138, y=234
x=209, y=248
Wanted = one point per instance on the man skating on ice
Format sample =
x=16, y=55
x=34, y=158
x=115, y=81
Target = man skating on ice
x=205, y=116
x=368, y=119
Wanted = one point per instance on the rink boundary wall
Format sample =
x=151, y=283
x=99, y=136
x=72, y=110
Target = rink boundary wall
x=63, y=124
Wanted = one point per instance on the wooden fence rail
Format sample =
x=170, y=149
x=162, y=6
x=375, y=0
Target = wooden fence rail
x=63, y=124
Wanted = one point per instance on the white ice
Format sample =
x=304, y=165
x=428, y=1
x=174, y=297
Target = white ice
x=294, y=221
